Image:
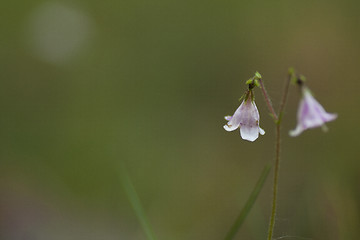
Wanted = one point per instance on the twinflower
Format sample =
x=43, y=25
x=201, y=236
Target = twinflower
x=247, y=118
x=310, y=113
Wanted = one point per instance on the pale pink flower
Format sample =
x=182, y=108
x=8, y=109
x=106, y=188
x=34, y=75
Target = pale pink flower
x=247, y=118
x=310, y=114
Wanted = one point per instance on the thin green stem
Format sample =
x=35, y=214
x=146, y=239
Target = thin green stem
x=249, y=203
x=276, y=180
x=284, y=98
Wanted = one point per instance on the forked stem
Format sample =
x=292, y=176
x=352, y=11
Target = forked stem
x=277, y=118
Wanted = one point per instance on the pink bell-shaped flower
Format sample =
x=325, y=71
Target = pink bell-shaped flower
x=310, y=114
x=247, y=118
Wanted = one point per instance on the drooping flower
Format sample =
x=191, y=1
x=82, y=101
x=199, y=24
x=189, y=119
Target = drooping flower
x=310, y=114
x=247, y=118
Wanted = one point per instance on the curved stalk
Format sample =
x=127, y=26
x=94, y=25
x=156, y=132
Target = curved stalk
x=268, y=100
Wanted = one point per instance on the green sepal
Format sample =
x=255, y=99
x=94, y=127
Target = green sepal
x=242, y=97
x=302, y=78
x=324, y=128
x=291, y=71
x=258, y=75
x=293, y=79
x=248, y=95
x=250, y=81
x=292, y=75
x=252, y=95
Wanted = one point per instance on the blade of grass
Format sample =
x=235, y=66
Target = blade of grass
x=249, y=203
x=136, y=205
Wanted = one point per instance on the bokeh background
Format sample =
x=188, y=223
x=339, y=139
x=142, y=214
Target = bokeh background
x=89, y=86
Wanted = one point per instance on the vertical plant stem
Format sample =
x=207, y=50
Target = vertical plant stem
x=277, y=119
x=284, y=98
x=276, y=180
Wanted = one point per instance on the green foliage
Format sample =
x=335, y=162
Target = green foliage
x=136, y=205
x=249, y=203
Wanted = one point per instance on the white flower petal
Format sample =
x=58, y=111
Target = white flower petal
x=230, y=128
x=261, y=131
x=312, y=122
x=327, y=117
x=310, y=114
x=234, y=121
x=249, y=133
x=247, y=117
x=296, y=132
x=228, y=118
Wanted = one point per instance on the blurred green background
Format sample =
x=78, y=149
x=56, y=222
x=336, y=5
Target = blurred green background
x=89, y=85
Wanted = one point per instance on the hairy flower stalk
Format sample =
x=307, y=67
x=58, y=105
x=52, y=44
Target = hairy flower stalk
x=247, y=118
x=277, y=118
